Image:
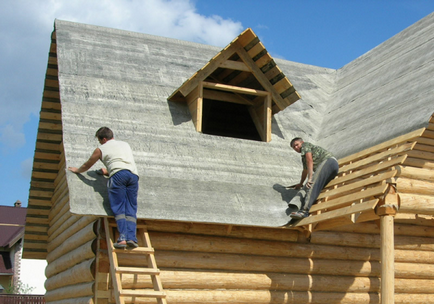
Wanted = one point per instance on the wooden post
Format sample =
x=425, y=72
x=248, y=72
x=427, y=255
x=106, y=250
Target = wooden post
x=387, y=260
x=386, y=212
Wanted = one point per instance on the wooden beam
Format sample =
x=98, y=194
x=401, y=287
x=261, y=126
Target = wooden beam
x=234, y=89
x=235, y=65
x=207, y=70
x=261, y=77
x=226, y=97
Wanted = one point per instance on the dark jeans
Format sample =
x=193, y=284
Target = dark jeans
x=325, y=172
x=122, y=191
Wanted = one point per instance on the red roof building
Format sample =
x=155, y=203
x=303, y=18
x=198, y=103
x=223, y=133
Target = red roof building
x=12, y=221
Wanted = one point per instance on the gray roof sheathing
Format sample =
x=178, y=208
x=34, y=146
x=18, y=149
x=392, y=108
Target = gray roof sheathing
x=122, y=80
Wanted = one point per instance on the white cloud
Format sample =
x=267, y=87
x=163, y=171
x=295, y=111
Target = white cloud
x=11, y=138
x=25, y=28
x=26, y=168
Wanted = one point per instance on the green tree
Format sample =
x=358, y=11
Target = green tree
x=19, y=288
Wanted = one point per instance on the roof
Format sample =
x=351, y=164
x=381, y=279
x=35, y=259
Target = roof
x=385, y=93
x=12, y=221
x=105, y=77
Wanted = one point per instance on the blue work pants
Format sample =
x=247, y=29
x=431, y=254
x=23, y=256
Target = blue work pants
x=122, y=191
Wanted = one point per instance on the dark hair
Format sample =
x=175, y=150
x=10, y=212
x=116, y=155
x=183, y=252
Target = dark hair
x=296, y=139
x=104, y=132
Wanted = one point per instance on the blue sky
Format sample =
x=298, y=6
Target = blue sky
x=324, y=33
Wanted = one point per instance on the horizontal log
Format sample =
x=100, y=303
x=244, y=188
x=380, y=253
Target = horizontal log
x=421, y=155
x=78, y=274
x=415, y=219
x=83, y=300
x=400, y=229
x=81, y=237
x=407, y=185
x=417, y=204
x=66, y=217
x=70, y=292
x=420, y=163
x=78, y=255
x=209, y=244
x=416, y=173
x=261, y=297
x=370, y=241
x=191, y=279
x=71, y=230
x=276, y=234
x=64, y=222
x=251, y=263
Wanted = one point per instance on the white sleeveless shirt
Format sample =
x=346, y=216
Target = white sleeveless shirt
x=116, y=156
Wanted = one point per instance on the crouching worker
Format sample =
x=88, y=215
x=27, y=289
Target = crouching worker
x=319, y=166
x=123, y=183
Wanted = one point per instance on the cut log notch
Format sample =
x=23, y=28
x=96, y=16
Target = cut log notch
x=122, y=295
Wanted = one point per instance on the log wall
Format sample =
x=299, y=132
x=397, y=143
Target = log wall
x=203, y=263
x=71, y=252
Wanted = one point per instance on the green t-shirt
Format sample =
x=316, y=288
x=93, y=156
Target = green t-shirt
x=318, y=154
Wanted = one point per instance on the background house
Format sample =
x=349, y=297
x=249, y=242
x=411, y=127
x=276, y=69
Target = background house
x=12, y=222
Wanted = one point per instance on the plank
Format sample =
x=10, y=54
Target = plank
x=255, y=50
x=369, y=205
x=50, y=126
x=368, y=170
x=359, y=184
x=50, y=115
x=52, y=105
x=143, y=293
x=245, y=37
x=376, y=157
x=348, y=199
x=395, y=141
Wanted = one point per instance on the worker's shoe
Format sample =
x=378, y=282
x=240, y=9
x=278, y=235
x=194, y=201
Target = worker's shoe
x=301, y=214
x=132, y=244
x=120, y=245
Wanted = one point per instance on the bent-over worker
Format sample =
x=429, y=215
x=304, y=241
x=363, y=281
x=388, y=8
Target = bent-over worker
x=123, y=183
x=319, y=166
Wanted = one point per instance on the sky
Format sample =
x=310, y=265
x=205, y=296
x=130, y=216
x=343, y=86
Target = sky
x=326, y=33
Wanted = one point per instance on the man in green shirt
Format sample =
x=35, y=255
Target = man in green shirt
x=319, y=167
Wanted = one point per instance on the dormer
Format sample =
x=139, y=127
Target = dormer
x=236, y=93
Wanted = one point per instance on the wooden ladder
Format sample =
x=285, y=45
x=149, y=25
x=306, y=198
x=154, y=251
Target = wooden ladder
x=145, y=248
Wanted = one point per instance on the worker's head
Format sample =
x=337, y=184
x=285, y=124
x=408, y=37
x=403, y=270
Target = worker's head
x=104, y=134
x=296, y=144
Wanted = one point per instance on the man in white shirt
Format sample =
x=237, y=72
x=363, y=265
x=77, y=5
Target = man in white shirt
x=123, y=184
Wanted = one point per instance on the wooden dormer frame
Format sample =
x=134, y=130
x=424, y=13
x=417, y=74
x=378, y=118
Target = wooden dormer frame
x=259, y=108
x=243, y=73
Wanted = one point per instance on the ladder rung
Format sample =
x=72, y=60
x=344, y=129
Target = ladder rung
x=137, y=270
x=138, y=250
x=143, y=293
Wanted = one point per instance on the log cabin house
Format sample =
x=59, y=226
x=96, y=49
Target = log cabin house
x=210, y=130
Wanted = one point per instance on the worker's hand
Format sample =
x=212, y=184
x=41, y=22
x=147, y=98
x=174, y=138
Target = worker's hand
x=299, y=186
x=73, y=169
x=102, y=171
x=309, y=184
